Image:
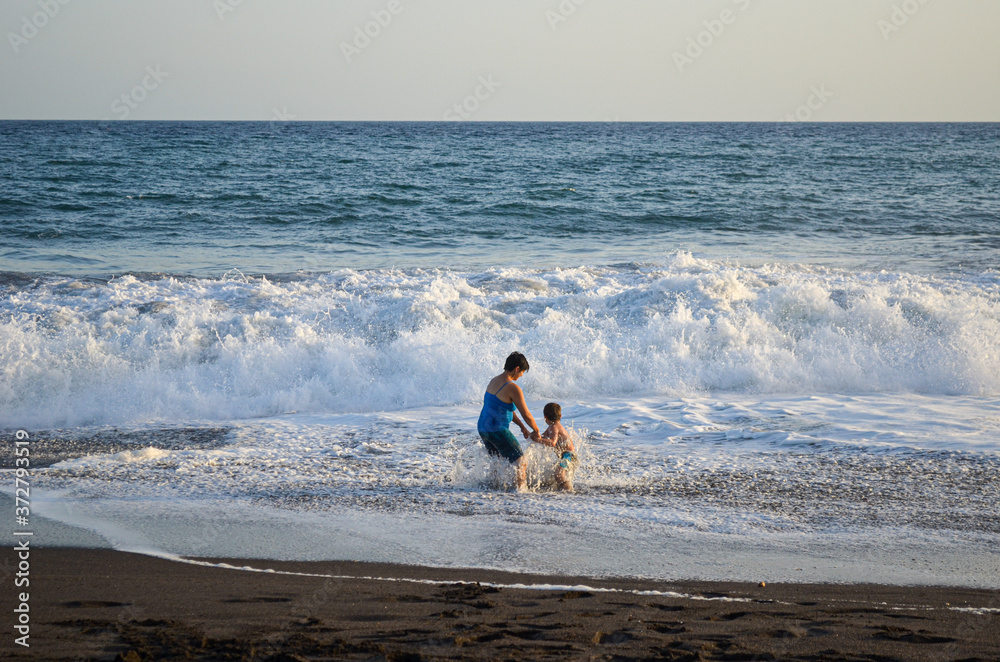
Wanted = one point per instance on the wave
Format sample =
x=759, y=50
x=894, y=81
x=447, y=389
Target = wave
x=134, y=350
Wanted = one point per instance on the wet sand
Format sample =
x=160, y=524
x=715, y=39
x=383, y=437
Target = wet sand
x=95, y=604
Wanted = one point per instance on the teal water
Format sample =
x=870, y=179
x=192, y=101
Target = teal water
x=90, y=198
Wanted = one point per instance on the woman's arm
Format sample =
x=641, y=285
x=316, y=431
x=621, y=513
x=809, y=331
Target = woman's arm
x=518, y=400
x=524, y=430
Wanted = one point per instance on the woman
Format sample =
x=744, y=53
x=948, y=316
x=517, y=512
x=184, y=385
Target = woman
x=502, y=396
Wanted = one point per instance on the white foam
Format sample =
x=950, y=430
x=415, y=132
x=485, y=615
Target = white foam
x=447, y=582
x=125, y=457
x=135, y=351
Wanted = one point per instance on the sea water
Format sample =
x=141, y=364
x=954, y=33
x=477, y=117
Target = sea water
x=777, y=346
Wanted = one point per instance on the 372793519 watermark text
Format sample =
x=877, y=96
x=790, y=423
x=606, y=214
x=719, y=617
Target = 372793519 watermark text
x=22, y=535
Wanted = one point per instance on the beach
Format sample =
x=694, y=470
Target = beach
x=91, y=604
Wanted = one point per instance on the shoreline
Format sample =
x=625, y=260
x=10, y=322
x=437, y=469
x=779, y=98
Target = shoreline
x=726, y=561
x=103, y=604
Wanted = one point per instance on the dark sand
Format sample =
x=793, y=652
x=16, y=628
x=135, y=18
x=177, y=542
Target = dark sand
x=105, y=605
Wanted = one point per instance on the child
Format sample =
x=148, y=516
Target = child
x=558, y=438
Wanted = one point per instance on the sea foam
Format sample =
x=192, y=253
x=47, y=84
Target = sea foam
x=138, y=350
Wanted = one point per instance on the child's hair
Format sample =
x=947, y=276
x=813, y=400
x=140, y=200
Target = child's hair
x=553, y=412
x=516, y=360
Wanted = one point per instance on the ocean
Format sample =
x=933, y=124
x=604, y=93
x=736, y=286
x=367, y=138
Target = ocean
x=777, y=345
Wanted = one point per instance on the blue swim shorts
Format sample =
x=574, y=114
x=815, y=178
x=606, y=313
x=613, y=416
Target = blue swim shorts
x=502, y=443
x=567, y=461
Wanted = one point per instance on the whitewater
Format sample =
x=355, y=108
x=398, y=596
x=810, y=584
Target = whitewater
x=130, y=349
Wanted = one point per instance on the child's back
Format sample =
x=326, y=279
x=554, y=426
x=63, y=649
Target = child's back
x=557, y=437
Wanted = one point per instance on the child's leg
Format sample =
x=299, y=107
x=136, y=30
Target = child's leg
x=563, y=479
x=564, y=471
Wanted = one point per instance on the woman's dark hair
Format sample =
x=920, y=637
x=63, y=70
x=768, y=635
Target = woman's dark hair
x=516, y=360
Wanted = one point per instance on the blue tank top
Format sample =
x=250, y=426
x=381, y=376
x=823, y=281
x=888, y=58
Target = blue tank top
x=497, y=414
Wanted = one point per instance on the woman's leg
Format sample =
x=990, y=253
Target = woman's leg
x=521, y=476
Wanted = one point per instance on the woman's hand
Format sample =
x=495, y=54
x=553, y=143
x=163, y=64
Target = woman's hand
x=535, y=436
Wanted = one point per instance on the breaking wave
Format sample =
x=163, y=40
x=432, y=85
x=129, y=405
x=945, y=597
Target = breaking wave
x=160, y=348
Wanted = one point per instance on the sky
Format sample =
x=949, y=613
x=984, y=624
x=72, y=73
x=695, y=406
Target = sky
x=501, y=60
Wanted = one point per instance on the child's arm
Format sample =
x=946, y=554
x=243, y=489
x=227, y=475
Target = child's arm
x=548, y=438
